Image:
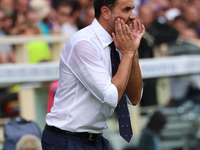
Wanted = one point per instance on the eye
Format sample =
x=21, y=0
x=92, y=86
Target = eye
x=127, y=9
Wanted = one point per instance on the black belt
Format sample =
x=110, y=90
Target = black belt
x=85, y=135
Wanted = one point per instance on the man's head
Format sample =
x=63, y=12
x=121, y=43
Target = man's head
x=6, y=4
x=64, y=11
x=29, y=142
x=179, y=24
x=146, y=15
x=98, y=4
x=191, y=14
x=76, y=8
x=107, y=11
x=32, y=17
x=157, y=122
x=21, y=5
x=89, y=15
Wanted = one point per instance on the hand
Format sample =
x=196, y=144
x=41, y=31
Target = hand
x=137, y=31
x=123, y=38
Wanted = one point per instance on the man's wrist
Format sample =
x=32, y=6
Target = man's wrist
x=128, y=54
x=136, y=54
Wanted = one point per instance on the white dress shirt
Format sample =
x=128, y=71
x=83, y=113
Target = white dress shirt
x=85, y=97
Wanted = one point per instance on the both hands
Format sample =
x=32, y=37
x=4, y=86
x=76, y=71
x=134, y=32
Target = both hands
x=127, y=38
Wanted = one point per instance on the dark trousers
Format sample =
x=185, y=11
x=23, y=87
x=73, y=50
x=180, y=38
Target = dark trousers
x=58, y=141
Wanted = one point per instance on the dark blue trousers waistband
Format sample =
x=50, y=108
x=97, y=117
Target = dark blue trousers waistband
x=59, y=141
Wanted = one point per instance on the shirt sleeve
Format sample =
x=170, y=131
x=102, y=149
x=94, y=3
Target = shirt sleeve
x=86, y=64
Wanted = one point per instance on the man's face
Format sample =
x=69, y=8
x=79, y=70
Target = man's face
x=63, y=14
x=123, y=10
x=32, y=17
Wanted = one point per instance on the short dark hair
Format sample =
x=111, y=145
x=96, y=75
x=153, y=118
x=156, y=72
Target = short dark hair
x=157, y=121
x=61, y=3
x=100, y=3
x=75, y=5
x=181, y=18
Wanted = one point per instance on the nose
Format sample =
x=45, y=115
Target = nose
x=132, y=16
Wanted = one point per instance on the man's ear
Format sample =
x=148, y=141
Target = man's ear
x=105, y=11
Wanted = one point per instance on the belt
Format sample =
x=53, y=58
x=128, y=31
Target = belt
x=85, y=135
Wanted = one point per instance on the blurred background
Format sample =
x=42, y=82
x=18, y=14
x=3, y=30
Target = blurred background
x=32, y=34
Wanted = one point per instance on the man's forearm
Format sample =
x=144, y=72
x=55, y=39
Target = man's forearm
x=121, y=78
x=134, y=86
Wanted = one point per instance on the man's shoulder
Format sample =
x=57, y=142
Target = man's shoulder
x=84, y=34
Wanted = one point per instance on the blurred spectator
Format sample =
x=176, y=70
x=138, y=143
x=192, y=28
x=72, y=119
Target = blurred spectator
x=64, y=13
x=39, y=10
x=179, y=24
x=29, y=142
x=145, y=50
x=49, y=3
x=32, y=17
x=174, y=4
x=150, y=138
x=72, y=23
x=189, y=33
x=26, y=29
x=183, y=5
x=16, y=128
x=153, y=16
x=160, y=10
x=85, y=3
x=88, y=17
x=19, y=18
x=192, y=16
x=172, y=13
x=7, y=6
x=162, y=31
x=146, y=16
x=196, y=4
x=50, y=21
x=21, y=6
x=6, y=52
x=8, y=23
x=20, y=9
x=38, y=51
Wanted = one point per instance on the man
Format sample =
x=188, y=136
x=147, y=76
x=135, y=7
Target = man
x=150, y=138
x=67, y=13
x=87, y=93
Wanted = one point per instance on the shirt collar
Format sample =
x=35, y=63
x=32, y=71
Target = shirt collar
x=102, y=34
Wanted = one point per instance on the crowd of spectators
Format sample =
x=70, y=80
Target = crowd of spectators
x=37, y=17
x=172, y=29
x=48, y=17
x=164, y=20
x=167, y=21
